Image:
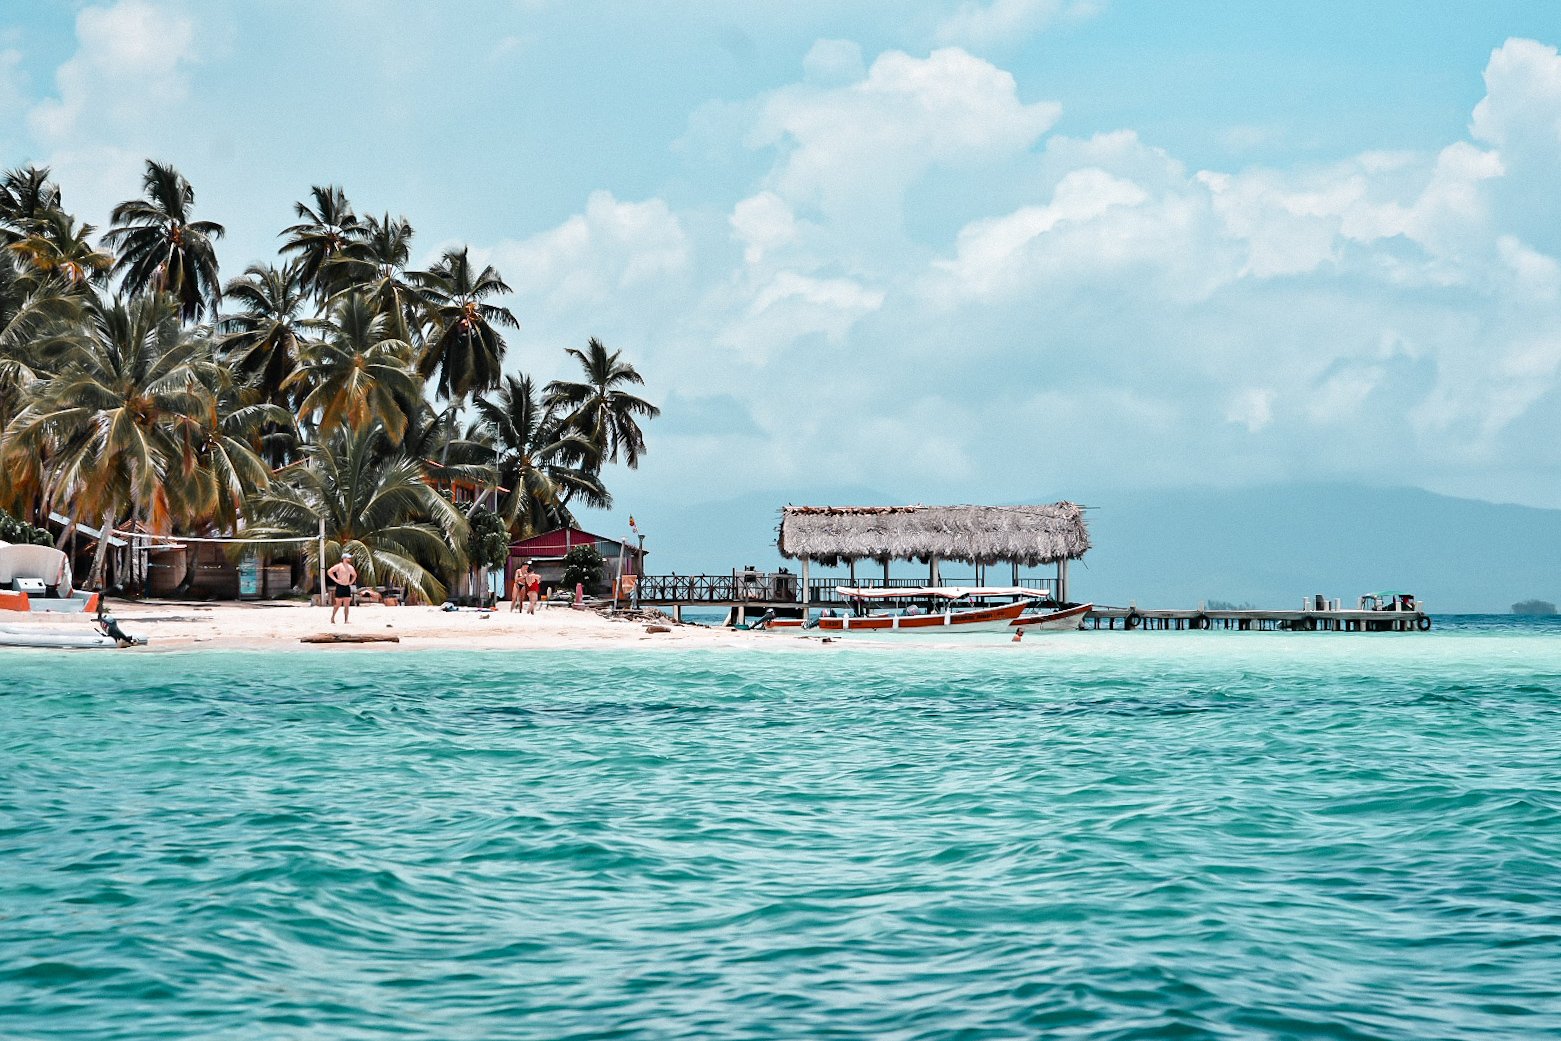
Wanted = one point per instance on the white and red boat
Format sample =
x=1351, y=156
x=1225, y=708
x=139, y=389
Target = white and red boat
x=37, y=579
x=1053, y=621
x=953, y=618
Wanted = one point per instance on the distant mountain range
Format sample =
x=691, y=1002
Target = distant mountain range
x=1266, y=546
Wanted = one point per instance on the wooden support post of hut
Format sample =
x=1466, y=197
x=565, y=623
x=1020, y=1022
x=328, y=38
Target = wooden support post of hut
x=1021, y=536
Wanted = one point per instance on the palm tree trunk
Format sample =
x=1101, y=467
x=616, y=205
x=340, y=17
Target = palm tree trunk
x=100, y=557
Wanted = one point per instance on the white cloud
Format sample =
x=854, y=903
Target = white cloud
x=613, y=247
x=1536, y=277
x=859, y=146
x=1247, y=324
x=1521, y=110
x=833, y=63
x=130, y=67
x=1008, y=21
x=793, y=306
x=992, y=256
x=1252, y=407
x=763, y=223
x=13, y=80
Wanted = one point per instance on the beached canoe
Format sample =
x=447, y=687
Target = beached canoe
x=34, y=636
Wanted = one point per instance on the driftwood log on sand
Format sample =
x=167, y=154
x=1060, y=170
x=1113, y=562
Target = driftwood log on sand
x=349, y=638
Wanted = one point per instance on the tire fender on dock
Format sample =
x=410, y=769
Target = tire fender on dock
x=1423, y=623
x=1132, y=620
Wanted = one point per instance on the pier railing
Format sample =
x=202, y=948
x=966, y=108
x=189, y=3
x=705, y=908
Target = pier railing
x=767, y=588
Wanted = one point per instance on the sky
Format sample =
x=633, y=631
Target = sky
x=950, y=250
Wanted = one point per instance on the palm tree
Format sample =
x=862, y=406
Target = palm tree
x=228, y=470
x=359, y=374
x=263, y=338
x=599, y=408
x=322, y=238
x=541, y=462
x=376, y=505
x=466, y=348
x=26, y=194
x=161, y=249
x=34, y=311
x=114, y=430
x=375, y=265
x=57, y=245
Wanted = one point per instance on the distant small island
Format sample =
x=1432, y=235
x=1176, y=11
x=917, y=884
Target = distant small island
x=1533, y=607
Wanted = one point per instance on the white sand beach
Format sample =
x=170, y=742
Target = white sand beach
x=276, y=626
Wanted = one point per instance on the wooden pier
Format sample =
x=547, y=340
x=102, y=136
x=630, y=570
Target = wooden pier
x=748, y=599
x=1250, y=620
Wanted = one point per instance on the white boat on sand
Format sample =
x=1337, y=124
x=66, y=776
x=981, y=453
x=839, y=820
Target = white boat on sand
x=37, y=579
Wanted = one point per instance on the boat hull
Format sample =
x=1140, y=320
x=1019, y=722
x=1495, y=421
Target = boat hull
x=973, y=620
x=1054, y=621
x=81, y=603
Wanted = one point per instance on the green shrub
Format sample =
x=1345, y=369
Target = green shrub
x=584, y=565
x=19, y=532
x=488, y=543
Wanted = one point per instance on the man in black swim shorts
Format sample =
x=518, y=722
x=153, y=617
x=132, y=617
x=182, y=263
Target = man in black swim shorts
x=343, y=577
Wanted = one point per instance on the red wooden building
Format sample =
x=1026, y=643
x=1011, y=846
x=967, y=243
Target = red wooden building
x=546, y=553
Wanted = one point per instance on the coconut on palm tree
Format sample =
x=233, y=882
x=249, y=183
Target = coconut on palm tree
x=542, y=463
x=598, y=407
x=359, y=373
x=162, y=248
x=375, y=504
x=465, y=348
x=321, y=240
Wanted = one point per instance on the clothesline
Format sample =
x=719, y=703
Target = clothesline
x=185, y=538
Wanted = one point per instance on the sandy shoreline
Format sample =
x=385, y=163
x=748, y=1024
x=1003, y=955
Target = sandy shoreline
x=181, y=625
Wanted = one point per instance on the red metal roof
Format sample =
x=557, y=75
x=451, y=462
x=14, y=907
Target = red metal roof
x=557, y=543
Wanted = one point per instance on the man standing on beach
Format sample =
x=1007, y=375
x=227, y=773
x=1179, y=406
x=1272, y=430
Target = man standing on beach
x=343, y=577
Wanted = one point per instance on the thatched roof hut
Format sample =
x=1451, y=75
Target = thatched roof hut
x=1024, y=535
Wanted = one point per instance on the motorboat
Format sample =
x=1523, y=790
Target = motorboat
x=1067, y=619
x=960, y=614
x=37, y=579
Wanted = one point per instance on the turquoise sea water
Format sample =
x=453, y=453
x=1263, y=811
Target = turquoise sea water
x=1180, y=835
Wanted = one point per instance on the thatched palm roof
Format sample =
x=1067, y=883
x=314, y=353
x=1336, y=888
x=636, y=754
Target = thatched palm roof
x=1028, y=535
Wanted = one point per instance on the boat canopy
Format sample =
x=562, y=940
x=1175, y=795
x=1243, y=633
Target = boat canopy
x=945, y=592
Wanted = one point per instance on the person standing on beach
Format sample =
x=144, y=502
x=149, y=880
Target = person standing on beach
x=533, y=589
x=519, y=589
x=343, y=577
